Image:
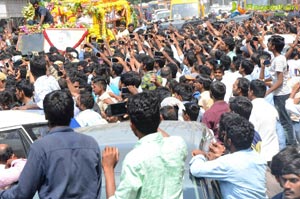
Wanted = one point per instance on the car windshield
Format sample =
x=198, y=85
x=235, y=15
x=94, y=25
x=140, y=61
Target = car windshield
x=161, y=15
x=187, y=10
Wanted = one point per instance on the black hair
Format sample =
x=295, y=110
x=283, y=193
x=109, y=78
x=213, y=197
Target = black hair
x=169, y=112
x=59, y=108
x=218, y=90
x=149, y=63
x=86, y=99
x=173, y=68
x=230, y=43
x=238, y=129
x=123, y=23
x=26, y=87
x=6, y=154
x=33, y=2
x=248, y=66
x=192, y=110
x=204, y=70
x=258, y=88
x=185, y=91
x=38, y=66
x=131, y=78
x=101, y=82
x=284, y=157
x=278, y=42
x=292, y=167
x=241, y=105
x=225, y=61
x=191, y=59
x=143, y=111
x=243, y=84
x=118, y=68
x=7, y=100
x=162, y=93
x=205, y=80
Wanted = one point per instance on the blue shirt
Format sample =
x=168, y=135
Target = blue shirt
x=63, y=164
x=241, y=174
x=42, y=11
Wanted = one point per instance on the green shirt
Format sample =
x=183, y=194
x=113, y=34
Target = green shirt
x=153, y=169
x=146, y=81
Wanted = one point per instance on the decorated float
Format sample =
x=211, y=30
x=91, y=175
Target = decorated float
x=74, y=21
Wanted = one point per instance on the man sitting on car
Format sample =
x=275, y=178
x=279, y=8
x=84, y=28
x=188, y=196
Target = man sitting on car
x=10, y=166
x=62, y=164
x=155, y=167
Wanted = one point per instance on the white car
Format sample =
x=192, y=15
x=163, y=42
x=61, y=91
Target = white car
x=161, y=15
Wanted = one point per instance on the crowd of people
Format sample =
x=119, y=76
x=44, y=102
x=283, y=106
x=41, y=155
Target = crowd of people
x=223, y=74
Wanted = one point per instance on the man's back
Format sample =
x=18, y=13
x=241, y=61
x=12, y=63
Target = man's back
x=264, y=117
x=154, y=168
x=63, y=164
x=212, y=116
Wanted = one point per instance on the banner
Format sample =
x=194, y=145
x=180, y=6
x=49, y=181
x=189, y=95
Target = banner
x=30, y=42
x=63, y=38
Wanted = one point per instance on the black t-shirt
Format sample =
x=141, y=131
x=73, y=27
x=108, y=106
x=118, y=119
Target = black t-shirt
x=42, y=11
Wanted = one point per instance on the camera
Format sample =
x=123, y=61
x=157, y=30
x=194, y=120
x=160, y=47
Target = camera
x=125, y=92
x=114, y=60
x=267, y=62
x=117, y=109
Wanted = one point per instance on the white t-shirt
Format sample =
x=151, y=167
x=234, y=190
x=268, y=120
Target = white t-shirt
x=294, y=64
x=89, y=117
x=42, y=86
x=279, y=64
x=264, y=117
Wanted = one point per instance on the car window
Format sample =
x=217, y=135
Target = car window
x=36, y=130
x=17, y=139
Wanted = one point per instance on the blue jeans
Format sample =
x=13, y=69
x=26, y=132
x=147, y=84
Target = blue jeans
x=280, y=135
x=285, y=120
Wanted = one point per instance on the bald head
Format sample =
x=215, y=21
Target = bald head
x=5, y=153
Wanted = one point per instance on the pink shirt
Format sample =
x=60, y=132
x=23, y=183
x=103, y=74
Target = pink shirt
x=12, y=174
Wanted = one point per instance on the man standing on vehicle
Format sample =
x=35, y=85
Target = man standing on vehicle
x=63, y=164
x=41, y=12
x=154, y=168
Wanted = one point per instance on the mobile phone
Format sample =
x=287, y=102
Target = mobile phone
x=158, y=54
x=117, y=109
x=121, y=42
x=100, y=41
x=127, y=60
x=146, y=37
x=131, y=36
x=267, y=62
x=7, y=65
x=125, y=92
x=114, y=60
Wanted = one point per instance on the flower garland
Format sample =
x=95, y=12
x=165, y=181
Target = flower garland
x=67, y=10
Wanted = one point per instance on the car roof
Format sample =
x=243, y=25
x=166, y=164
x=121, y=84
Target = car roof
x=10, y=118
x=121, y=135
x=195, y=134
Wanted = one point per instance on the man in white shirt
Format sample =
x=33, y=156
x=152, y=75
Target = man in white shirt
x=87, y=116
x=264, y=117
